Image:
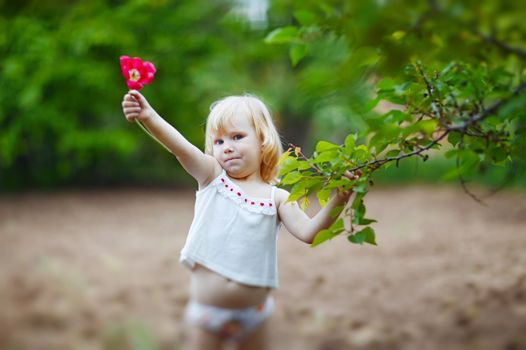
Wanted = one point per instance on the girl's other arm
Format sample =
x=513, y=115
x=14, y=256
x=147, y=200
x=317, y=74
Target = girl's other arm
x=200, y=166
x=299, y=224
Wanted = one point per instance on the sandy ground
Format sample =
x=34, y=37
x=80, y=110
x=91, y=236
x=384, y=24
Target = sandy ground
x=99, y=270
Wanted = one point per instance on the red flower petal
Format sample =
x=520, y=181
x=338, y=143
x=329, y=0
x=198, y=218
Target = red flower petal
x=149, y=67
x=134, y=85
x=124, y=66
x=136, y=62
x=145, y=70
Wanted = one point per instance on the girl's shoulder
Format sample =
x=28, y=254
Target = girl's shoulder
x=280, y=196
x=215, y=171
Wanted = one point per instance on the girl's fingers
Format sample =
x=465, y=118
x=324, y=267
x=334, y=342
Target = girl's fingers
x=132, y=110
x=132, y=117
x=129, y=98
x=353, y=175
x=136, y=96
x=130, y=104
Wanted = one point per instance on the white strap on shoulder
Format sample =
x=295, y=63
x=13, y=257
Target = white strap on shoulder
x=272, y=194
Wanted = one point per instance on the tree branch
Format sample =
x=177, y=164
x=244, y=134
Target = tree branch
x=402, y=156
x=463, y=182
x=502, y=45
x=461, y=128
x=435, y=106
x=486, y=113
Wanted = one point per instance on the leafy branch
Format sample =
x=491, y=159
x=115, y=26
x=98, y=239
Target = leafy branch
x=466, y=103
x=423, y=126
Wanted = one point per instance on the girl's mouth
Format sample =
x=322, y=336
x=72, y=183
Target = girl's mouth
x=230, y=159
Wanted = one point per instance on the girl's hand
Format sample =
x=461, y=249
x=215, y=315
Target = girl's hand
x=344, y=195
x=355, y=175
x=135, y=106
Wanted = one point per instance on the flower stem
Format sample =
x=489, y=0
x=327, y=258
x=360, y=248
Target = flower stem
x=151, y=135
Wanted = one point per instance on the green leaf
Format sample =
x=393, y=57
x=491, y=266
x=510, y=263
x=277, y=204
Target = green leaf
x=297, y=52
x=327, y=156
x=365, y=221
x=469, y=160
x=398, y=35
x=334, y=230
x=323, y=196
x=322, y=236
x=428, y=126
x=386, y=84
x=372, y=103
x=288, y=165
x=304, y=17
x=360, y=187
x=284, y=156
x=365, y=235
x=323, y=146
x=357, y=199
x=302, y=188
x=397, y=116
x=291, y=178
x=365, y=56
x=337, y=211
x=304, y=202
x=297, y=191
x=451, y=153
x=303, y=165
x=453, y=138
x=361, y=153
x=392, y=153
x=283, y=35
x=349, y=143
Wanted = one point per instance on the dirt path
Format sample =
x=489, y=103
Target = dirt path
x=83, y=270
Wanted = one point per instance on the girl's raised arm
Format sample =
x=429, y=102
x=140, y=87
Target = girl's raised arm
x=200, y=166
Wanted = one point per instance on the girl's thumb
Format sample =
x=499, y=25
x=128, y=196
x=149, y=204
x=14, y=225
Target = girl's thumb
x=137, y=95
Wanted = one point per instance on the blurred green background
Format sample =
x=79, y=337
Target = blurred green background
x=61, y=123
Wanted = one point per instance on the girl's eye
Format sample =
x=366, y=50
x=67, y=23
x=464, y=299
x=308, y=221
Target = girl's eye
x=238, y=137
x=218, y=142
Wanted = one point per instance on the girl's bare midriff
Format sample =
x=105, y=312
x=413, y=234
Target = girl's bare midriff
x=208, y=287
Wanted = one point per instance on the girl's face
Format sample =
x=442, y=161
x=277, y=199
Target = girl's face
x=237, y=148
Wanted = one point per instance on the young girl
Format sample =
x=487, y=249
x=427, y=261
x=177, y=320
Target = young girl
x=231, y=246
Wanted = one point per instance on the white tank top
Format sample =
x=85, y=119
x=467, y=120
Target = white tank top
x=233, y=234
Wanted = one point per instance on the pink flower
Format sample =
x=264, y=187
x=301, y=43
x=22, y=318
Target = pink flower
x=136, y=72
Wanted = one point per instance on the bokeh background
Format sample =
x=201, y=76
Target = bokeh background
x=61, y=122
x=93, y=212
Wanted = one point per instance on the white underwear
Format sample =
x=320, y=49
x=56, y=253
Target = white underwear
x=234, y=324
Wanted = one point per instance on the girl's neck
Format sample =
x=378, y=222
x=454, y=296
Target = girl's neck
x=254, y=177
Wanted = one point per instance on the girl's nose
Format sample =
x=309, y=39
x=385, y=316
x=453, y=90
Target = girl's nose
x=227, y=148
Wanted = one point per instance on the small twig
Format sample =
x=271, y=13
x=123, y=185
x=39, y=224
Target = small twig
x=297, y=150
x=435, y=105
x=402, y=156
x=487, y=112
x=509, y=177
x=502, y=45
x=463, y=182
x=462, y=128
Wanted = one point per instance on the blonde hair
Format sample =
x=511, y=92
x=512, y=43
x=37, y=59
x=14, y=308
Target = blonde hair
x=253, y=108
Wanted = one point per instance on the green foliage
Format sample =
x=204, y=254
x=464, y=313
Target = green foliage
x=434, y=76
x=61, y=88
